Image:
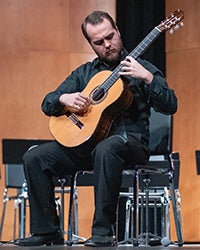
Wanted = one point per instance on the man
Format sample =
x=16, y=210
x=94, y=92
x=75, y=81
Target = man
x=125, y=145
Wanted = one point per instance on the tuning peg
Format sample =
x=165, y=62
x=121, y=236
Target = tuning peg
x=176, y=27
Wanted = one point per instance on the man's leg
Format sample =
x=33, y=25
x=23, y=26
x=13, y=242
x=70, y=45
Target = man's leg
x=40, y=164
x=110, y=157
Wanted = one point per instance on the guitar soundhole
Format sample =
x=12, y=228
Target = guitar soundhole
x=97, y=95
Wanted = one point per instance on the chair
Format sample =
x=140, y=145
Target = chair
x=15, y=180
x=158, y=180
x=12, y=152
x=154, y=189
x=159, y=172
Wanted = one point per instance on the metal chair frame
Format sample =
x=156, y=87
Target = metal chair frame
x=154, y=198
x=20, y=199
x=173, y=194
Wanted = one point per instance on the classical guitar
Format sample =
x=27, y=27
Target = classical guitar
x=109, y=95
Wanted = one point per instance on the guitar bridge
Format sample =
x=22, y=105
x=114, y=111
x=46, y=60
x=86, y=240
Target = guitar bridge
x=75, y=120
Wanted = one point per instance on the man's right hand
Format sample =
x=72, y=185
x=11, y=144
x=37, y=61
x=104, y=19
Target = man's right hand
x=75, y=102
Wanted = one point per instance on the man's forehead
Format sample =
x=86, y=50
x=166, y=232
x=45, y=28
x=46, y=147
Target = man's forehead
x=99, y=30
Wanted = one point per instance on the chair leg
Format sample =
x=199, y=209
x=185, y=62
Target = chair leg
x=70, y=215
x=127, y=219
x=176, y=212
x=75, y=214
x=5, y=199
x=62, y=216
x=147, y=181
x=136, y=209
x=22, y=217
x=165, y=218
x=175, y=203
x=73, y=236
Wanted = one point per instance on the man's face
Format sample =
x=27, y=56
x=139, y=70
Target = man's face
x=105, y=41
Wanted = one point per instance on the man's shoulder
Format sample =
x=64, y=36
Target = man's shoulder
x=92, y=63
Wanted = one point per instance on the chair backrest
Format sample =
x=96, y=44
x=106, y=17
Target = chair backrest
x=160, y=133
x=14, y=176
x=14, y=149
x=161, y=144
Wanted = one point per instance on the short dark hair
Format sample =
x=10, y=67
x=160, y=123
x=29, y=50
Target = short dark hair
x=94, y=18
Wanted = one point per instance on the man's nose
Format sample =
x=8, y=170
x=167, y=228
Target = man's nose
x=107, y=43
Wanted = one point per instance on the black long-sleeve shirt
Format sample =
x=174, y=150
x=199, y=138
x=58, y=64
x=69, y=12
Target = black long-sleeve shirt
x=135, y=120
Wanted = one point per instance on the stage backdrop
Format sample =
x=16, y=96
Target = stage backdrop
x=41, y=43
x=135, y=19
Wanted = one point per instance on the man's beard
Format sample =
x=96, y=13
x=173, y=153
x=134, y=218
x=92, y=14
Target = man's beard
x=113, y=60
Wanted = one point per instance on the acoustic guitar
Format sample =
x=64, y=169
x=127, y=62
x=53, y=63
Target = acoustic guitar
x=109, y=95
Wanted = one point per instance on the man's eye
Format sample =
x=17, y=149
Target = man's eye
x=110, y=37
x=98, y=42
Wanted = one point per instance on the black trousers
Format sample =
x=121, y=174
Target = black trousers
x=107, y=159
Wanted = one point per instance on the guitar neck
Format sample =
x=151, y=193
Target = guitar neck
x=145, y=43
x=138, y=51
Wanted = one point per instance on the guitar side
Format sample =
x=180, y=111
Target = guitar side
x=96, y=123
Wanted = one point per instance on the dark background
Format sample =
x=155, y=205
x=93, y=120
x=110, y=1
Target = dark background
x=135, y=19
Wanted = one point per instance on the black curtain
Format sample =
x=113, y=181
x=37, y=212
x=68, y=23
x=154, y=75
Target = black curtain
x=135, y=19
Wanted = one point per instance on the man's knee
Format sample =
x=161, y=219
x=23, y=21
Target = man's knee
x=29, y=155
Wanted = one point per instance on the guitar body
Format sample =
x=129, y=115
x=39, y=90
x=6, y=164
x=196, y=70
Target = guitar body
x=96, y=123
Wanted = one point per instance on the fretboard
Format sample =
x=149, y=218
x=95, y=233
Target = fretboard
x=138, y=51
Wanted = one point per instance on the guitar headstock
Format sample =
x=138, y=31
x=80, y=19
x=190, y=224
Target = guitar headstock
x=172, y=22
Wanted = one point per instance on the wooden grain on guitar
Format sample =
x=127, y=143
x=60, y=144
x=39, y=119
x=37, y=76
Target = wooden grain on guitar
x=95, y=124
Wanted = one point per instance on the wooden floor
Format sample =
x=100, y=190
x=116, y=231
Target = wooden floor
x=6, y=246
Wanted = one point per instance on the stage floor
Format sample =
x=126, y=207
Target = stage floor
x=81, y=247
